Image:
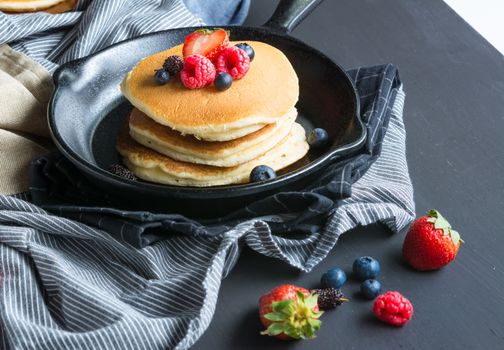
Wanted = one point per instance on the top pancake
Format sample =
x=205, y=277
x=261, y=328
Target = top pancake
x=266, y=93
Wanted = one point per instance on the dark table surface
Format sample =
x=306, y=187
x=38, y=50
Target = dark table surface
x=454, y=115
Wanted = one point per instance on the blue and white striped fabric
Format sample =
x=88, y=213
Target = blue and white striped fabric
x=53, y=40
x=69, y=285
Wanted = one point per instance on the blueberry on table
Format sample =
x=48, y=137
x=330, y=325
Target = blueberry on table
x=365, y=268
x=318, y=137
x=333, y=278
x=248, y=50
x=370, y=289
x=262, y=173
x=161, y=76
x=223, y=81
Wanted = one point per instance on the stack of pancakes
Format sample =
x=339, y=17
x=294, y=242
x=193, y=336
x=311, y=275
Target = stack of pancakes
x=51, y=6
x=207, y=137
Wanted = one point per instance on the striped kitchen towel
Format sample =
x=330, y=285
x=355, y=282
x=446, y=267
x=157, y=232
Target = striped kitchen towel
x=68, y=285
x=59, y=187
x=53, y=40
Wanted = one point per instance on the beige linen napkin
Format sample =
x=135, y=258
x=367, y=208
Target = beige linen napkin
x=25, y=89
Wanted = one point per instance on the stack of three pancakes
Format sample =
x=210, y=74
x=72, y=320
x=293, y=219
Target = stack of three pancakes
x=207, y=137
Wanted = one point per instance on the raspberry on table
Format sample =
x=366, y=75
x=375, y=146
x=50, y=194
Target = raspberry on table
x=234, y=61
x=198, y=72
x=393, y=308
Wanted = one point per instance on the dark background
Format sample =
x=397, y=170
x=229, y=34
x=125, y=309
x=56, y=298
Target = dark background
x=454, y=116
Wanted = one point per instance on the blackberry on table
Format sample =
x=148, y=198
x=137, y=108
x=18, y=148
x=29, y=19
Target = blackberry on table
x=329, y=298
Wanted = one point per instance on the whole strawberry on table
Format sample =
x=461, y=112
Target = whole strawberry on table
x=431, y=243
x=290, y=312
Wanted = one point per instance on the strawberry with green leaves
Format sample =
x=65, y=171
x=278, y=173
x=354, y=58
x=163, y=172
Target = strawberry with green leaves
x=290, y=312
x=431, y=243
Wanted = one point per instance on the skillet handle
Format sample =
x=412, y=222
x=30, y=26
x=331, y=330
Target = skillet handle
x=289, y=13
x=66, y=73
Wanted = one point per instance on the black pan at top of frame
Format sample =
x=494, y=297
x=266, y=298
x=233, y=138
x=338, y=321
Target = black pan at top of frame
x=87, y=109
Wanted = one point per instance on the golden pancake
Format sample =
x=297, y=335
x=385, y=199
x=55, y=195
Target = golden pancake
x=27, y=5
x=187, y=148
x=230, y=134
x=266, y=93
x=152, y=166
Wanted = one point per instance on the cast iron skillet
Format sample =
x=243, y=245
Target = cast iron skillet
x=87, y=108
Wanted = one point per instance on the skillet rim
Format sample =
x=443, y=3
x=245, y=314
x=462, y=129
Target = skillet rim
x=235, y=190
